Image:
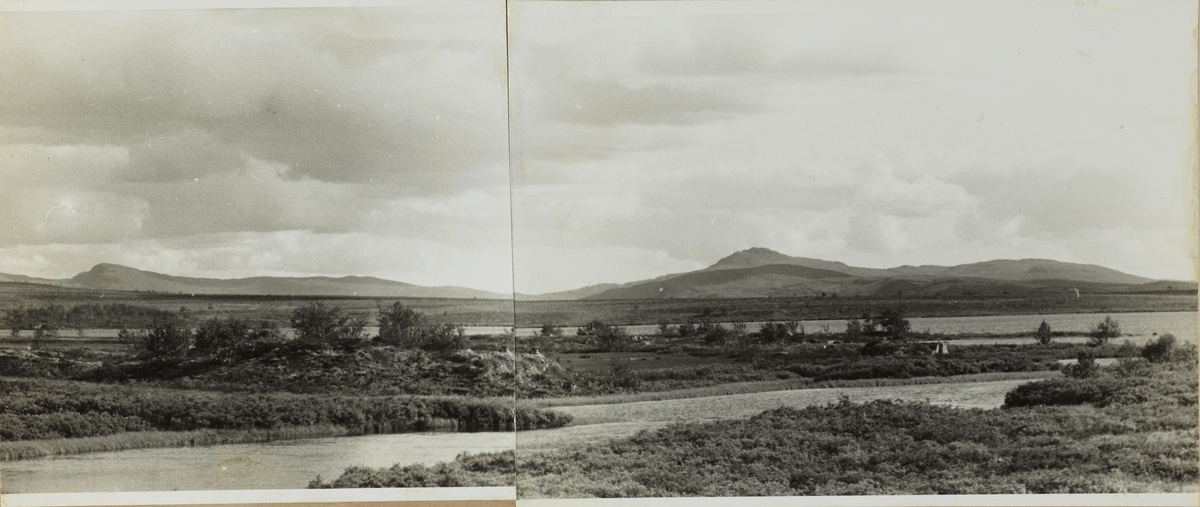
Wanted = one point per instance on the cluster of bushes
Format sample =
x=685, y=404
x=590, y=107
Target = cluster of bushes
x=318, y=324
x=1164, y=373
x=221, y=340
x=39, y=409
x=608, y=338
x=404, y=327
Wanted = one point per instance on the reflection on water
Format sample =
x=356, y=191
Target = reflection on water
x=286, y=464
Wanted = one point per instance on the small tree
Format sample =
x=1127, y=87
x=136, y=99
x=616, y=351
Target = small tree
x=621, y=376
x=1104, y=331
x=41, y=333
x=15, y=321
x=893, y=324
x=549, y=330
x=222, y=339
x=318, y=323
x=611, y=338
x=854, y=330
x=1043, y=334
x=402, y=326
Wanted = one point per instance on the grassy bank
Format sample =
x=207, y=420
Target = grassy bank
x=773, y=385
x=39, y=409
x=27, y=449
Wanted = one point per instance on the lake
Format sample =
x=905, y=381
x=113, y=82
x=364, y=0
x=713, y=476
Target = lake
x=1140, y=326
x=288, y=464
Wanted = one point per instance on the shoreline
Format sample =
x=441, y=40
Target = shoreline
x=17, y=450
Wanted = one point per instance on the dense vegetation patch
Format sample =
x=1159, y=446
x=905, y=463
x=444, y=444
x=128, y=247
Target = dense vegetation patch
x=42, y=409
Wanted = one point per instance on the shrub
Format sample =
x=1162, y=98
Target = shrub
x=549, y=329
x=621, y=376
x=1084, y=367
x=1043, y=334
x=1160, y=350
x=159, y=341
x=714, y=334
x=854, y=330
x=404, y=327
x=892, y=323
x=1105, y=330
x=318, y=323
x=686, y=329
x=666, y=330
x=773, y=332
x=879, y=348
x=608, y=338
x=224, y=339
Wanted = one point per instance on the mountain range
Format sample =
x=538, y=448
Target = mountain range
x=756, y=272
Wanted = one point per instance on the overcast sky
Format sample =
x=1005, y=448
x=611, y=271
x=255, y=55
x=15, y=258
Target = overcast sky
x=231, y=143
x=648, y=138
x=657, y=137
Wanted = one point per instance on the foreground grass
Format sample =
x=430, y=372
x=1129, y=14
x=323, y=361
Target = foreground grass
x=1141, y=436
x=28, y=449
x=774, y=385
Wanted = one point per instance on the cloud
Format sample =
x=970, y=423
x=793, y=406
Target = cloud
x=191, y=92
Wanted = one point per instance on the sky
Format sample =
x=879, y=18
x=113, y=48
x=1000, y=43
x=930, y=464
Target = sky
x=605, y=142
x=659, y=137
x=243, y=142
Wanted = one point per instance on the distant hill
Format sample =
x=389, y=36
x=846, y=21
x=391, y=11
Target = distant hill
x=760, y=272
x=117, y=277
x=569, y=295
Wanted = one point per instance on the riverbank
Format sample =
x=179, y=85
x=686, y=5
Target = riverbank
x=29, y=449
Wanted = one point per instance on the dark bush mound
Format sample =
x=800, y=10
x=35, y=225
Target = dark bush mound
x=1164, y=384
x=466, y=470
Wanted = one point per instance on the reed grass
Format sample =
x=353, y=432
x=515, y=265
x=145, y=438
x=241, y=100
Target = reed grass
x=775, y=385
x=28, y=449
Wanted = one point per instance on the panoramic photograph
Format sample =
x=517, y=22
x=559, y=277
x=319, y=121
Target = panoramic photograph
x=586, y=250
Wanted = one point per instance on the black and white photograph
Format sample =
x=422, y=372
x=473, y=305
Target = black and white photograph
x=547, y=250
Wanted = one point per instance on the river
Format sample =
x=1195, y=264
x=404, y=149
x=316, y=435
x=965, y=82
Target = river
x=287, y=464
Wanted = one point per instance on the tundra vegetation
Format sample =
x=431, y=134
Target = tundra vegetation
x=1130, y=427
